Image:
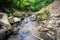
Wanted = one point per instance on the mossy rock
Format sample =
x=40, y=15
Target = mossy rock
x=17, y=14
x=43, y=16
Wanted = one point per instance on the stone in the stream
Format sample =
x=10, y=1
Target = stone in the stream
x=16, y=19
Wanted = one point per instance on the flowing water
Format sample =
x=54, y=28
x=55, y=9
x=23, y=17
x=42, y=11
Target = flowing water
x=25, y=33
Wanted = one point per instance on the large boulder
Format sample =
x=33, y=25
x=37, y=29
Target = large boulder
x=5, y=20
x=4, y=25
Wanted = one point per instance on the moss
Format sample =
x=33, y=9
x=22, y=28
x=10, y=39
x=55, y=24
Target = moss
x=43, y=16
x=16, y=14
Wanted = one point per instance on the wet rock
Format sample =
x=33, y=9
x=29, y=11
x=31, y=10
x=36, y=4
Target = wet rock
x=26, y=20
x=11, y=19
x=16, y=19
x=5, y=21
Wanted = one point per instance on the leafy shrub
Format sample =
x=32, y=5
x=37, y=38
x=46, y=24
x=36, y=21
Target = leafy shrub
x=35, y=5
x=38, y=4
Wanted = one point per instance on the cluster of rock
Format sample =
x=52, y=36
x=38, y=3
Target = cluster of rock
x=6, y=25
x=50, y=29
x=10, y=22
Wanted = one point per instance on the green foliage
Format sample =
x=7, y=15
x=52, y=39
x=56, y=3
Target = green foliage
x=35, y=5
x=38, y=4
x=20, y=3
